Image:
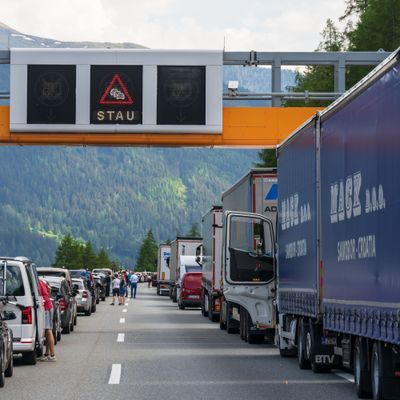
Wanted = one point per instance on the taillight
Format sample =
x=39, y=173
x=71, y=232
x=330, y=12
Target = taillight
x=27, y=315
x=85, y=294
x=63, y=305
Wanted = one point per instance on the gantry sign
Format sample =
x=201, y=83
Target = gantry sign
x=116, y=91
x=121, y=97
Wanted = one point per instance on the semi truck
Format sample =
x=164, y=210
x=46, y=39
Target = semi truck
x=163, y=271
x=339, y=212
x=248, y=249
x=181, y=246
x=211, y=291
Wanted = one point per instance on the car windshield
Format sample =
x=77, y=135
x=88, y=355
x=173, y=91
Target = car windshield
x=14, y=284
x=78, y=282
x=193, y=268
x=79, y=273
x=51, y=273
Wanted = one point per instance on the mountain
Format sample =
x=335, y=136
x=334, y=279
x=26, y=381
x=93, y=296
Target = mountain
x=109, y=196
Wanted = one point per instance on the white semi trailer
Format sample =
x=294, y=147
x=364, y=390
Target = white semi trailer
x=248, y=256
x=163, y=270
x=181, y=246
x=212, y=264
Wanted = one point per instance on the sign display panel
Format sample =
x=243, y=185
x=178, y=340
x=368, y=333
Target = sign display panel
x=103, y=91
x=51, y=94
x=181, y=95
x=116, y=94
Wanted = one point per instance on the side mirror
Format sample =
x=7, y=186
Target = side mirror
x=8, y=316
x=76, y=286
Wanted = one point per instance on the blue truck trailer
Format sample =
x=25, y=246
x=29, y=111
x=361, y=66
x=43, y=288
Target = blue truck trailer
x=338, y=294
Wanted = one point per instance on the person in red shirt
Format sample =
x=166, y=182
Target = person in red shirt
x=45, y=291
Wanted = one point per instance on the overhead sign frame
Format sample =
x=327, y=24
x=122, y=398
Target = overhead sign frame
x=208, y=121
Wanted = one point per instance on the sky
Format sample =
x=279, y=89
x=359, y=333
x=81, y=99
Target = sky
x=263, y=25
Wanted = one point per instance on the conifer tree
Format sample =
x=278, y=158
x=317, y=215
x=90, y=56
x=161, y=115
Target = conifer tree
x=147, y=254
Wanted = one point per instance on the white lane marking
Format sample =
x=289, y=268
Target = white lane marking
x=346, y=376
x=121, y=337
x=115, y=375
x=124, y=310
x=122, y=320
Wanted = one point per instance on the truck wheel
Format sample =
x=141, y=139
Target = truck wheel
x=206, y=305
x=304, y=363
x=241, y=325
x=222, y=319
x=67, y=329
x=362, y=376
x=211, y=315
x=2, y=376
x=203, y=305
x=8, y=373
x=29, y=358
x=230, y=325
x=88, y=313
x=377, y=372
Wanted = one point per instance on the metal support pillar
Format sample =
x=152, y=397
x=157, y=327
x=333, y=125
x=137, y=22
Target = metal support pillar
x=340, y=75
x=276, y=82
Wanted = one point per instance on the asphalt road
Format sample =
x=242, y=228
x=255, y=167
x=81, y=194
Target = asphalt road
x=152, y=350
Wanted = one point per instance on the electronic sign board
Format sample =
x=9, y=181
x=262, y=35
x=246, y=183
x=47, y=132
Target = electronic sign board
x=116, y=90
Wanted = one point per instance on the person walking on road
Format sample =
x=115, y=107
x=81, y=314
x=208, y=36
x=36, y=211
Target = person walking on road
x=134, y=281
x=122, y=289
x=108, y=283
x=45, y=291
x=115, y=288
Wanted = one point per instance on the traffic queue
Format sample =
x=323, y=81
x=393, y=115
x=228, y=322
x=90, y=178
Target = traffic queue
x=24, y=318
x=316, y=273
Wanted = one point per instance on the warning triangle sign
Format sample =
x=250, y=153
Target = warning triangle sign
x=116, y=93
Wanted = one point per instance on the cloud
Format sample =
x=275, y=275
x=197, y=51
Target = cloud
x=287, y=25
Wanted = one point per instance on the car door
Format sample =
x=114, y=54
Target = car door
x=37, y=301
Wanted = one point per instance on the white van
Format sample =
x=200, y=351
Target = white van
x=21, y=285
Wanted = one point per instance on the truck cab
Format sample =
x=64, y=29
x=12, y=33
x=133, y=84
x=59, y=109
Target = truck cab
x=248, y=276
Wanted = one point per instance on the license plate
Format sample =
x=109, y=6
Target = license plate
x=192, y=296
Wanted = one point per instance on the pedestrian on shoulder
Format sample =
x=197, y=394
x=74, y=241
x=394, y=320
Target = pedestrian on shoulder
x=115, y=288
x=134, y=281
x=122, y=290
x=45, y=291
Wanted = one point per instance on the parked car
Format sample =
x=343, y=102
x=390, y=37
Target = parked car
x=6, y=343
x=88, y=276
x=99, y=282
x=67, y=302
x=56, y=316
x=84, y=297
x=21, y=282
x=58, y=272
x=190, y=290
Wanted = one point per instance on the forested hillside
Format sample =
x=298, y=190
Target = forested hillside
x=108, y=196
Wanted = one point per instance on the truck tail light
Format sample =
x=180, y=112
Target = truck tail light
x=85, y=294
x=27, y=316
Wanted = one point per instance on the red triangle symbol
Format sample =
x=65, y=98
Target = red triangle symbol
x=116, y=93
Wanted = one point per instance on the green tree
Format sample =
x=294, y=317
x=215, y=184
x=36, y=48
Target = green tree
x=194, y=231
x=69, y=253
x=89, y=257
x=103, y=259
x=267, y=159
x=147, y=254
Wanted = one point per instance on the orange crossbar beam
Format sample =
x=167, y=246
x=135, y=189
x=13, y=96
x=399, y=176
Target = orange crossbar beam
x=242, y=127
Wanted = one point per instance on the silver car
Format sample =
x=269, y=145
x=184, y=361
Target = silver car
x=84, y=297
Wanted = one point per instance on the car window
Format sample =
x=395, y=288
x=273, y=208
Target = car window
x=79, y=283
x=14, y=282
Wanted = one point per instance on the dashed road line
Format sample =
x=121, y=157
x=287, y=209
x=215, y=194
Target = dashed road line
x=121, y=337
x=124, y=310
x=122, y=320
x=115, y=375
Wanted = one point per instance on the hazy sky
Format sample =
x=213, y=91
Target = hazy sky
x=286, y=25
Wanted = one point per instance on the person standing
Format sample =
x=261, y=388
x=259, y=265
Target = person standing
x=108, y=283
x=115, y=288
x=48, y=324
x=134, y=281
x=122, y=289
